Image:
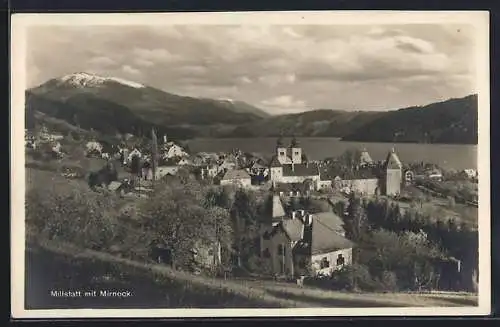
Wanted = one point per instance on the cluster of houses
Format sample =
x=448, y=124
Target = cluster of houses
x=49, y=141
x=299, y=243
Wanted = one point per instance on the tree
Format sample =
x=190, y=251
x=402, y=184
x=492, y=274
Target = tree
x=244, y=215
x=66, y=211
x=175, y=218
x=356, y=220
x=135, y=165
x=350, y=158
x=409, y=255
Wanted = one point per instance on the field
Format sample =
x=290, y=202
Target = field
x=64, y=267
x=440, y=207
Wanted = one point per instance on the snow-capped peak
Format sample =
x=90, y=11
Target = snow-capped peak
x=86, y=80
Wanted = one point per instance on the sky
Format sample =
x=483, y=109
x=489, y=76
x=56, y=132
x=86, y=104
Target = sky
x=279, y=68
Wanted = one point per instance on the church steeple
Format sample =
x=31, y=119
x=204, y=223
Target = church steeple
x=296, y=151
x=279, y=142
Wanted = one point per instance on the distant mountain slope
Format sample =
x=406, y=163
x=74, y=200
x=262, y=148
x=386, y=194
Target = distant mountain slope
x=319, y=123
x=111, y=105
x=451, y=121
x=240, y=107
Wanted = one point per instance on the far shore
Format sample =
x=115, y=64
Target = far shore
x=326, y=138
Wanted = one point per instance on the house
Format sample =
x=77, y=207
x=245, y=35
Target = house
x=124, y=152
x=119, y=187
x=236, y=177
x=365, y=159
x=258, y=169
x=56, y=148
x=307, y=244
x=181, y=161
x=45, y=135
x=93, y=147
x=197, y=161
x=288, y=166
x=172, y=150
x=360, y=179
x=225, y=166
x=434, y=174
x=470, y=173
x=208, y=157
x=207, y=256
x=409, y=177
x=209, y=171
x=162, y=171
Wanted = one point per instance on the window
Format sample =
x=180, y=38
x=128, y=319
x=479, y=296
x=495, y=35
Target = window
x=266, y=236
x=266, y=253
x=324, y=263
x=282, y=153
x=340, y=260
x=280, y=249
x=296, y=153
x=210, y=252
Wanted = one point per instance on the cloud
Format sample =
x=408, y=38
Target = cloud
x=130, y=70
x=155, y=55
x=143, y=62
x=102, y=61
x=286, y=102
x=280, y=67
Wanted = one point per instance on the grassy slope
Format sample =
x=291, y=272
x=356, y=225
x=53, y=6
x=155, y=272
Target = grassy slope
x=66, y=267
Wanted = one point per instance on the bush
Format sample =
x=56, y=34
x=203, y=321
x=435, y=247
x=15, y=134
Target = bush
x=71, y=213
x=260, y=266
x=389, y=281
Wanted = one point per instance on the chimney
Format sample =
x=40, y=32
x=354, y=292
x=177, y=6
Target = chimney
x=165, y=139
x=294, y=214
x=293, y=166
x=302, y=212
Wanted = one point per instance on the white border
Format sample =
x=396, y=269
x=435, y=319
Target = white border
x=480, y=20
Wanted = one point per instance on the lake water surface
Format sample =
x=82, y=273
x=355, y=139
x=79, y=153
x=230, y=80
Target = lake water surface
x=451, y=156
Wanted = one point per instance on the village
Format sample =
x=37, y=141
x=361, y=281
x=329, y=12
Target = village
x=297, y=241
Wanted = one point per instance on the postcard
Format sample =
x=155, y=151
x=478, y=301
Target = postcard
x=250, y=164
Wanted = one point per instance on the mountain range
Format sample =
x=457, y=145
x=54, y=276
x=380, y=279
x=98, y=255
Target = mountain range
x=83, y=101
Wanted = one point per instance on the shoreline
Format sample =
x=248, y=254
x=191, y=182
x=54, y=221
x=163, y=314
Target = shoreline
x=324, y=138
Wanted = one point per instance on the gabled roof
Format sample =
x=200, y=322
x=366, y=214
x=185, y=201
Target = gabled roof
x=392, y=161
x=236, y=174
x=277, y=207
x=275, y=162
x=257, y=165
x=114, y=185
x=325, y=235
x=365, y=157
x=293, y=229
x=310, y=169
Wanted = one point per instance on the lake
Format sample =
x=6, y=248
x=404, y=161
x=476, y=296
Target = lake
x=451, y=156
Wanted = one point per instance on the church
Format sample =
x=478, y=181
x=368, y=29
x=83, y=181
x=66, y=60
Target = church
x=290, y=165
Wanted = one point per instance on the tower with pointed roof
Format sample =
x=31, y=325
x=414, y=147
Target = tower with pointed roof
x=393, y=174
x=296, y=151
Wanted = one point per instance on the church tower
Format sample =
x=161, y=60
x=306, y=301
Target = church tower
x=393, y=174
x=296, y=151
x=281, y=151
